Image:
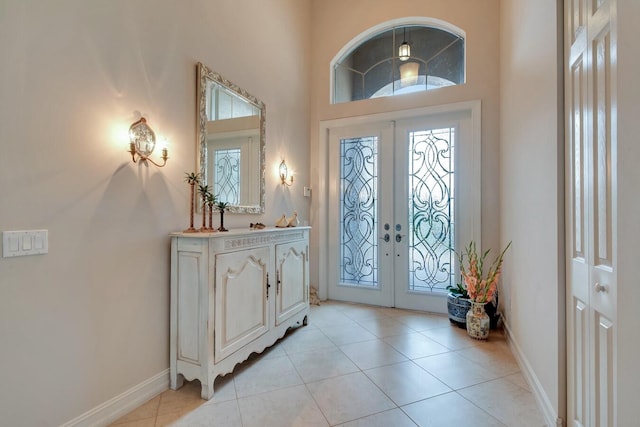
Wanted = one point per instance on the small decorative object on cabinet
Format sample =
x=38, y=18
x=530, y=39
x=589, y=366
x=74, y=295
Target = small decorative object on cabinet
x=211, y=200
x=192, y=179
x=481, y=288
x=293, y=221
x=204, y=193
x=233, y=294
x=282, y=221
x=221, y=207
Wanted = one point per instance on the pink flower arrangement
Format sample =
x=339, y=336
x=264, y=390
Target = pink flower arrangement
x=480, y=288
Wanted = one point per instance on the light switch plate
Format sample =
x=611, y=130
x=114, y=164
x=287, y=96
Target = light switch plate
x=26, y=242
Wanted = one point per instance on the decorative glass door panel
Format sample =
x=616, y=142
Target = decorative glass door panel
x=428, y=210
x=397, y=211
x=431, y=210
x=358, y=211
x=361, y=184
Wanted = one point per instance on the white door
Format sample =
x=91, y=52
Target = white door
x=434, y=196
x=397, y=209
x=361, y=214
x=591, y=212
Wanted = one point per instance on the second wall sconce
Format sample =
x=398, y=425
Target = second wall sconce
x=142, y=142
x=284, y=174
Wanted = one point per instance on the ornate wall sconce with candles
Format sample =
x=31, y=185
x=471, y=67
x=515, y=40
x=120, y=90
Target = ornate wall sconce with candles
x=284, y=174
x=143, y=142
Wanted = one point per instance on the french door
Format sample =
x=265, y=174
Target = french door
x=398, y=211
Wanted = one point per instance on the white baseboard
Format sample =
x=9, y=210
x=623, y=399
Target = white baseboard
x=109, y=411
x=550, y=415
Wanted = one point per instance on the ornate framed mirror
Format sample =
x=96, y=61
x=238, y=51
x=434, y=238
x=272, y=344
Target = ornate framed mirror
x=231, y=142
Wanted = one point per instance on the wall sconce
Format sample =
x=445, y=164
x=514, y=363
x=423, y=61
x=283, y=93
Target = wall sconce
x=284, y=174
x=143, y=142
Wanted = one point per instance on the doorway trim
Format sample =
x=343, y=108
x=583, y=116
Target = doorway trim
x=475, y=109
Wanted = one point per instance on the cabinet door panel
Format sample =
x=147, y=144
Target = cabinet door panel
x=190, y=268
x=240, y=299
x=293, y=277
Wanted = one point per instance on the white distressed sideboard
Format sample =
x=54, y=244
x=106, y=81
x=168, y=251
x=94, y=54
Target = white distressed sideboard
x=232, y=294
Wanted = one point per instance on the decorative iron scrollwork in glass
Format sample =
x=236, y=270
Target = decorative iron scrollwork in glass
x=358, y=211
x=227, y=175
x=431, y=210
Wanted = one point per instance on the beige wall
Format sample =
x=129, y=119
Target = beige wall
x=532, y=182
x=531, y=188
x=89, y=320
x=336, y=22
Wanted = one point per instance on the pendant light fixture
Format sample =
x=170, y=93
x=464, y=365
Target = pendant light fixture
x=404, y=51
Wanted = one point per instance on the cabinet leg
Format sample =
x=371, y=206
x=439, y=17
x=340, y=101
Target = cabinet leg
x=176, y=381
x=305, y=321
x=207, y=391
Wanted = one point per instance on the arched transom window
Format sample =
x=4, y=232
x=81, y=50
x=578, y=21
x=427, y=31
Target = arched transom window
x=401, y=59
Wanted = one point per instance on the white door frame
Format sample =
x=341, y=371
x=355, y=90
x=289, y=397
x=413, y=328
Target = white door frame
x=322, y=192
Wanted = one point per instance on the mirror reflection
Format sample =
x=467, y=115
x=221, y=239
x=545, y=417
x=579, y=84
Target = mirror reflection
x=231, y=142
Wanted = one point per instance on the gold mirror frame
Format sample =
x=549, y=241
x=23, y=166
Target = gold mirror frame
x=205, y=75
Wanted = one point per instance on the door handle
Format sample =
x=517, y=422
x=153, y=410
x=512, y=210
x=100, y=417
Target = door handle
x=600, y=287
x=386, y=237
x=268, y=285
x=278, y=282
x=399, y=237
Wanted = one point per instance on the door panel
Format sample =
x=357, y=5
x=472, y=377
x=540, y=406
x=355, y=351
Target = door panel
x=591, y=211
x=190, y=268
x=425, y=206
x=603, y=375
x=435, y=201
x=360, y=186
x=292, y=278
x=579, y=353
x=578, y=348
x=241, y=300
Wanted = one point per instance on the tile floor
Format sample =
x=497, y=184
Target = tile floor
x=357, y=365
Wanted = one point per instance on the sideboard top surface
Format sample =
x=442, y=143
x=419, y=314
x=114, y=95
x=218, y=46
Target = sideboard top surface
x=238, y=232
